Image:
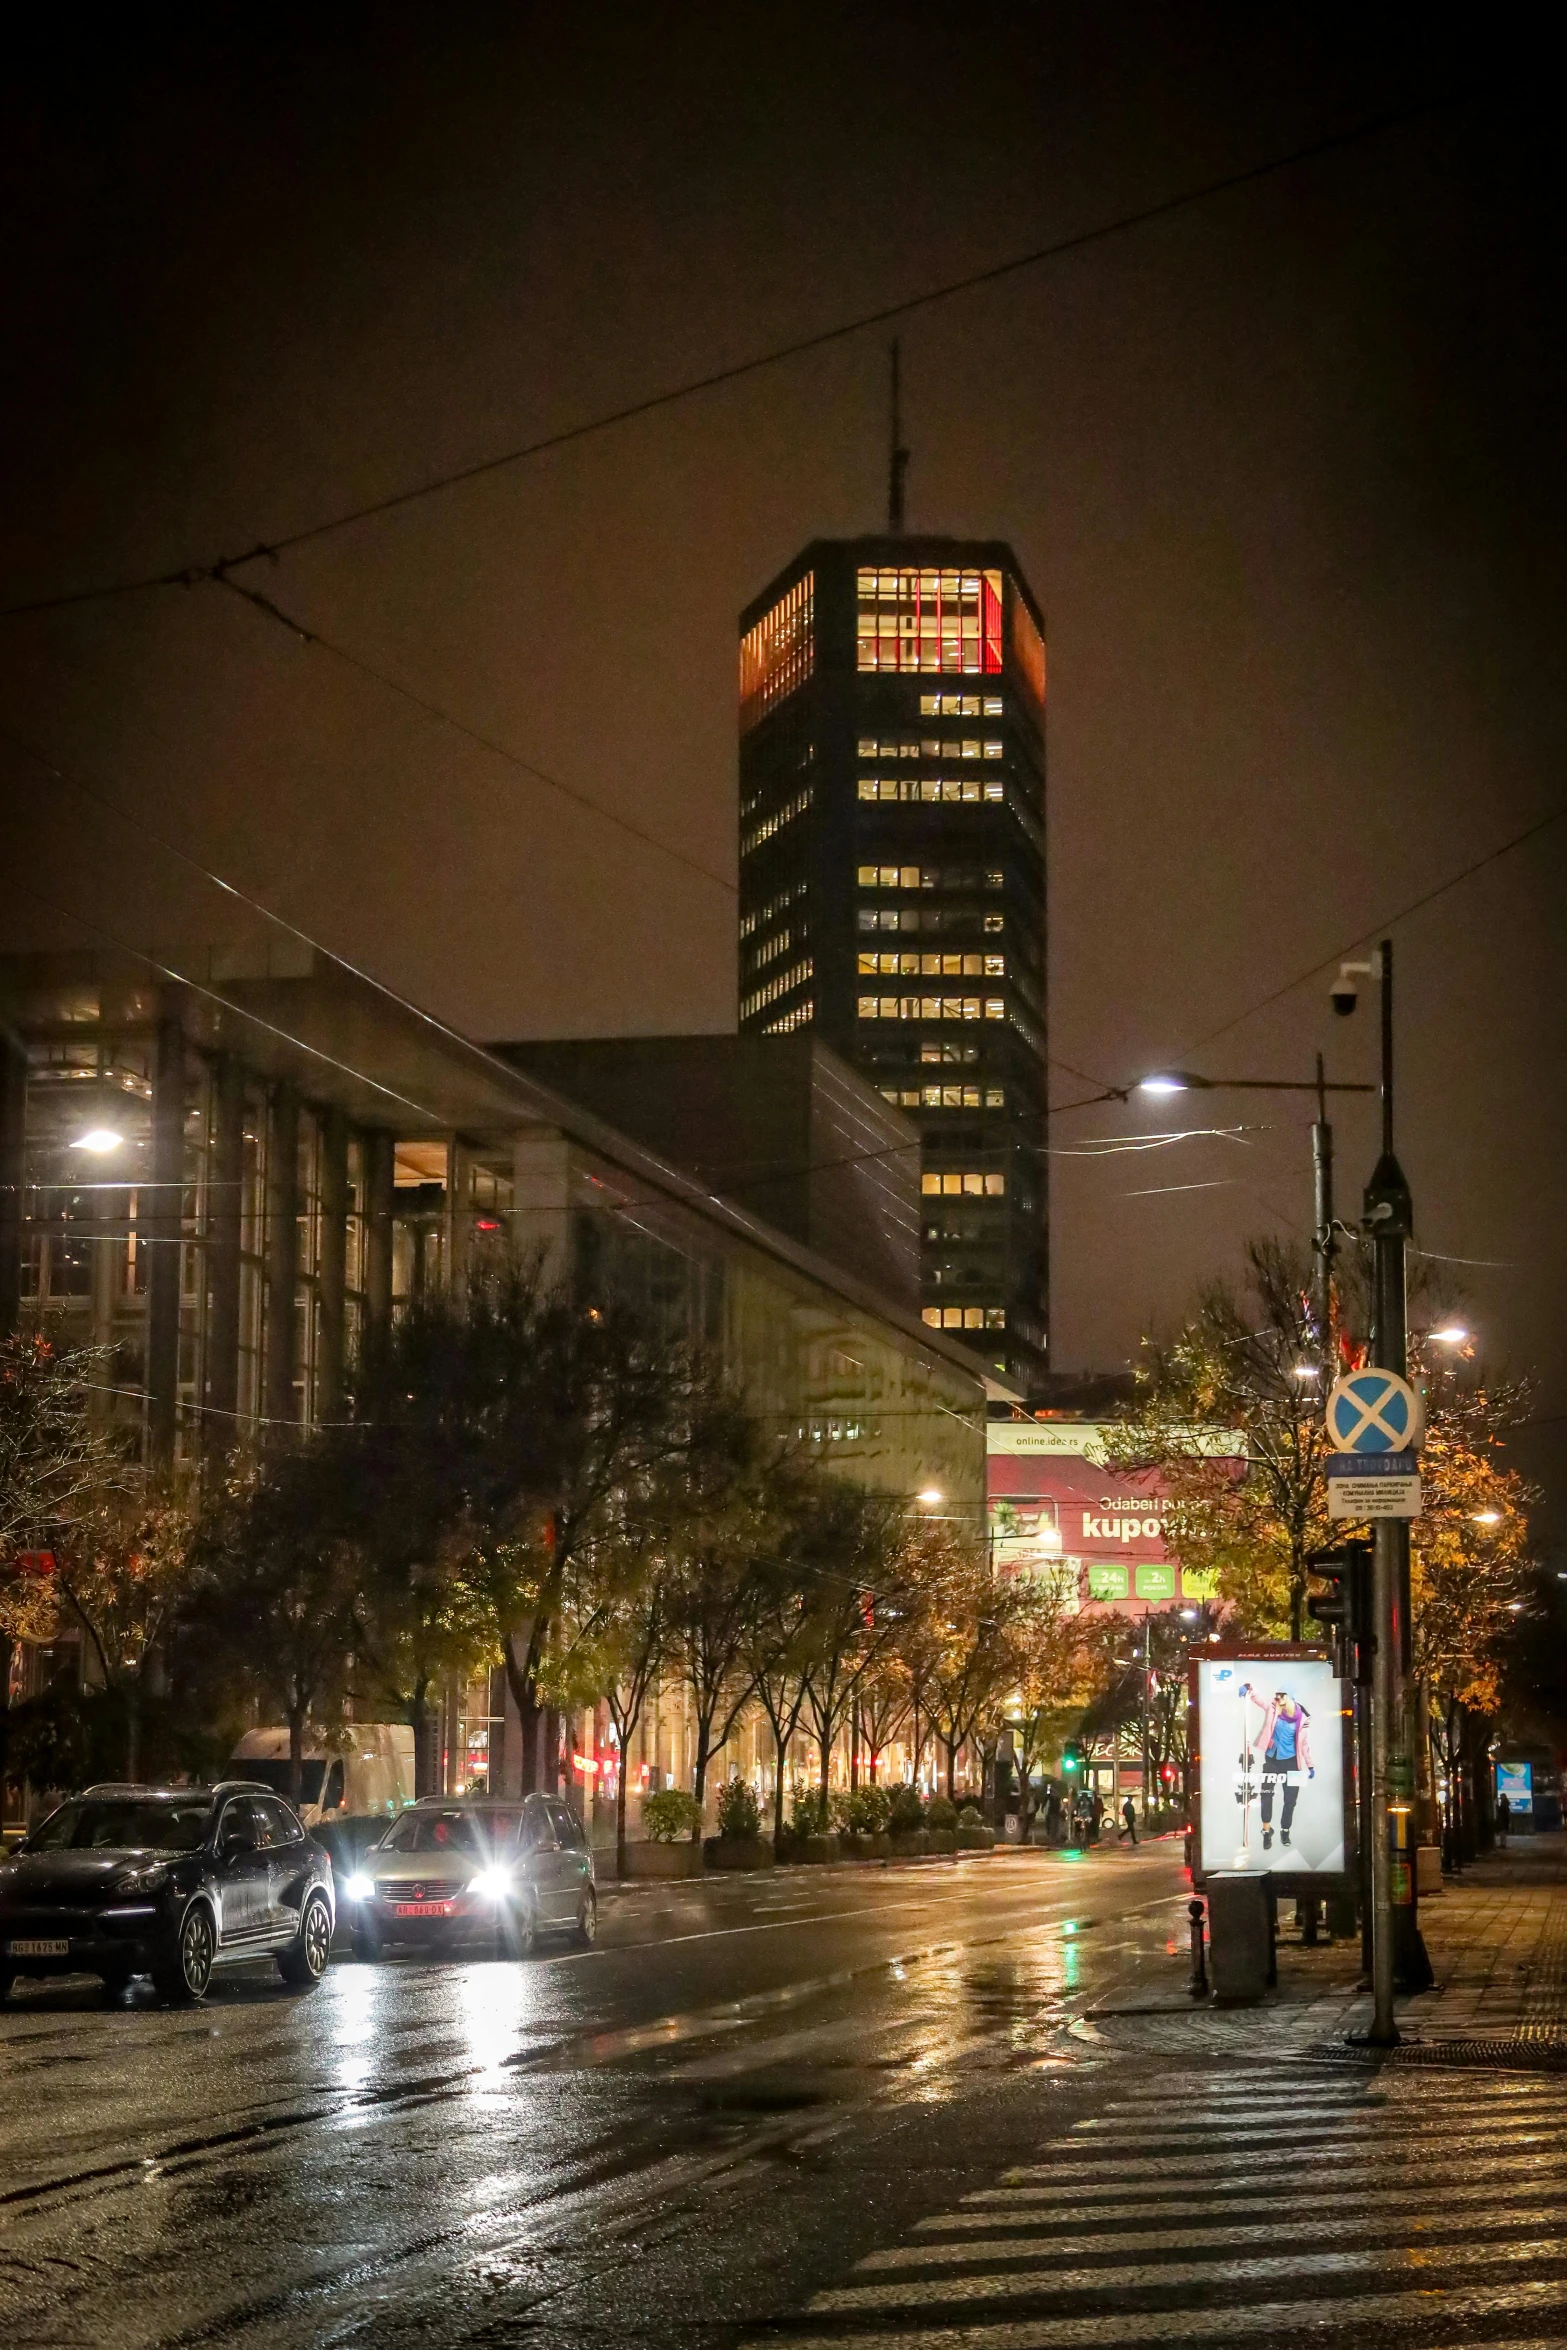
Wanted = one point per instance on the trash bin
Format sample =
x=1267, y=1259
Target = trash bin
x=1241, y=1931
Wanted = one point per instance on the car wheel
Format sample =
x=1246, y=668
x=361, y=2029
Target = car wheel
x=588, y=1920
x=187, y=1976
x=304, y=1961
x=517, y=1932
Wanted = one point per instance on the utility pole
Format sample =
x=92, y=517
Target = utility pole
x=1398, y=1954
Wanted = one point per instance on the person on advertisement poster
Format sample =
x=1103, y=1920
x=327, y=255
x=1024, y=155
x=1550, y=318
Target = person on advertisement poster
x=1280, y=1804
x=1284, y=1743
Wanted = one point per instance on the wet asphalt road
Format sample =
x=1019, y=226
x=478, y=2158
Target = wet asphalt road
x=678, y=2137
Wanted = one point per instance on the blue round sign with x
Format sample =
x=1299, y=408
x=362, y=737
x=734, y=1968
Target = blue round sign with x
x=1374, y=1411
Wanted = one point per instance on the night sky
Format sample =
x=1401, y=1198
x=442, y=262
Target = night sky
x=1283, y=466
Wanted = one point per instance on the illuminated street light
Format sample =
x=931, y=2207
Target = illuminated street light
x=931, y=1498
x=1308, y=1370
x=1452, y=1334
x=1487, y=1517
x=98, y=1139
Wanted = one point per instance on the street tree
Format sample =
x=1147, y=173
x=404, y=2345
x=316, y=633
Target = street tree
x=278, y=1577
x=123, y=1573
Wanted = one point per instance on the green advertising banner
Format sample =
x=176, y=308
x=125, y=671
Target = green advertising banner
x=1155, y=1580
x=1107, y=1579
x=1199, y=1583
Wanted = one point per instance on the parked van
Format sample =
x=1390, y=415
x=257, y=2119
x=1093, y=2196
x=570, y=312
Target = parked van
x=372, y=1772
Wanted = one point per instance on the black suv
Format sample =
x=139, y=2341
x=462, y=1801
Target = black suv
x=170, y=1882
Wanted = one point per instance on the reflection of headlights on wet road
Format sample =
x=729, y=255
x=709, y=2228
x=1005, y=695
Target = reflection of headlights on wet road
x=359, y=1887
x=491, y=1884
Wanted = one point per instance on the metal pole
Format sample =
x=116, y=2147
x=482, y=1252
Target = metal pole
x=1398, y=1953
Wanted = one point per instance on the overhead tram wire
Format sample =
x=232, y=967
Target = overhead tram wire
x=195, y=573
x=484, y=742
x=1385, y=922
x=449, y=1035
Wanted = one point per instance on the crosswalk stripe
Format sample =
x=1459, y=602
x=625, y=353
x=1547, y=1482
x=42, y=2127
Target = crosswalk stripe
x=1030, y=2207
x=928, y=2253
x=1202, y=2163
x=1200, y=2134
x=1278, y=2318
x=1057, y=2284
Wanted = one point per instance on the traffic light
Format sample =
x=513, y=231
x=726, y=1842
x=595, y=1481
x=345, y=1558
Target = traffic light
x=1344, y=1609
x=1071, y=1759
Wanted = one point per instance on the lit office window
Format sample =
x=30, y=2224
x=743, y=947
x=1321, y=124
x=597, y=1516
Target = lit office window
x=1028, y=649
x=798, y=1016
x=963, y=1097
x=786, y=980
x=965, y=1317
x=961, y=706
x=779, y=653
x=890, y=966
x=776, y=822
x=930, y=1007
x=964, y=1185
x=913, y=618
x=946, y=790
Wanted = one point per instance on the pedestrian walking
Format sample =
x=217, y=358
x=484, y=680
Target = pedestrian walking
x=1053, y=1816
x=1504, y=1820
x=1128, y=1827
x=1096, y=1816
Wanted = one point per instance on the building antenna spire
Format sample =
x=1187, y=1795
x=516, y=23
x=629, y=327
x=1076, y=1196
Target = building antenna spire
x=898, y=456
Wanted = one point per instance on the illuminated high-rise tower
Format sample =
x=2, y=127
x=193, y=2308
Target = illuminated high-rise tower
x=892, y=883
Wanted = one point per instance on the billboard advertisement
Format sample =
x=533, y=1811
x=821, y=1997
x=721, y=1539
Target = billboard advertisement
x=1516, y=1782
x=1270, y=1737
x=1053, y=1499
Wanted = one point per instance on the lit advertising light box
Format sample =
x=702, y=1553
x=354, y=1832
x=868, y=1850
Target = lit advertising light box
x=1270, y=1733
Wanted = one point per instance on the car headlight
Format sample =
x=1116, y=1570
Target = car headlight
x=491, y=1884
x=359, y=1887
x=150, y=1879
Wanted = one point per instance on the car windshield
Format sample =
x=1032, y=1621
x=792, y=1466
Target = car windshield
x=449, y=1831
x=107, y=1824
x=273, y=1772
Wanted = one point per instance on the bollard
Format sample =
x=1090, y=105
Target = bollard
x=1198, y=1986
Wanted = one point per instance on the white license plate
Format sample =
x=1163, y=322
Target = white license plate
x=38, y=1949
x=423, y=1909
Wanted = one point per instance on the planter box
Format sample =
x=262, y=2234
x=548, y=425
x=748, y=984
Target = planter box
x=664, y=1860
x=820, y=1848
x=909, y=1843
x=976, y=1839
x=855, y=1846
x=737, y=1852
x=941, y=1839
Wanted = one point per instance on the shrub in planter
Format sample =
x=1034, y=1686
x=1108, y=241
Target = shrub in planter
x=905, y=1812
x=809, y=1812
x=866, y=1810
x=739, y=1813
x=971, y=1816
x=669, y=1815
x=941, y=1813
x=977, y=1838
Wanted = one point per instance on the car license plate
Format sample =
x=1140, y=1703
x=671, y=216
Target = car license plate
x=423, y=1909
x=38, y=1949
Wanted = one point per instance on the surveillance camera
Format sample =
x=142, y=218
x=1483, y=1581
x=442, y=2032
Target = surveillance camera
x=1343, y=995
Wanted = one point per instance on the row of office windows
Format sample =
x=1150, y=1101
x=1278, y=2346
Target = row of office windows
x=784, y=984
x=967, y=1184
x=775, y=823
x=889, y=966
x=928, y=747
x=771, y=948
x=913, y=619
x=962, y=706
x=927, y=877
x=959, y=921
x=798, y=1016
x=930, y=1007
x=946, y=1097
x=779, y=903
x=779, y=653
x=965, y=1317
x=942, y=791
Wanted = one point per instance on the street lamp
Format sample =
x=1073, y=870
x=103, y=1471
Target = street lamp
x=99, y=1140
x=1452, y=1334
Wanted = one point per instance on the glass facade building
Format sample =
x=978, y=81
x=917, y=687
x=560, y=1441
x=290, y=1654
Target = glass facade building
x=892, y=887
